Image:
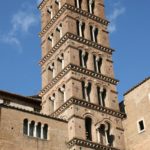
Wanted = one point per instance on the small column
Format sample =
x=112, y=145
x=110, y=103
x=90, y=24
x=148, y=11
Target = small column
x=78, y=5
x=85, y=91
x=97, y=67
x=42, y=135
x=93, y=33
x=83, y=57
x=100, y=94
x=98, y=135
x=106, y=137
x=90, y=6
x=80, y=28
x=90, y=64
x=84, y=5
x=35, y=130
x=59, y=3
x=28, y=128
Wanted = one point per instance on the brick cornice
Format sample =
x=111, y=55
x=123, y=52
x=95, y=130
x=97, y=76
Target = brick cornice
x=89, y=144
x=72, y=67
x=88, y=105
x=78, y=39
x=76, y=10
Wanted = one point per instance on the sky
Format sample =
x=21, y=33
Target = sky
x=20, y=50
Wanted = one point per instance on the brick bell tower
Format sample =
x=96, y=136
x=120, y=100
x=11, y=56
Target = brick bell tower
x=78, y=81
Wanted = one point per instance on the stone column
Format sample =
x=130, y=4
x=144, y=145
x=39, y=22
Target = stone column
x=42, y=136
x=80, y=28
x=28, y=128
x=100, y=95
x=85, y=91
x=93, y=33
x=83, y=61
x=90, y=6
x=97, y=66
x=35, y=130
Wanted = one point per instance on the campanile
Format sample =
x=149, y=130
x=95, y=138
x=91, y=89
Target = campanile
x=78, y=82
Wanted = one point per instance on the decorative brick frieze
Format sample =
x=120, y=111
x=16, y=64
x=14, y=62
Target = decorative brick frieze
x=72, y=67
x=88, y=105
x=78, y=39
x=89, y=144
x=73, y=9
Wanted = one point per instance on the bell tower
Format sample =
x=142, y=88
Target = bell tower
x=78, y=81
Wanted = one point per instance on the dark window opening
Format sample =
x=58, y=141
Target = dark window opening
x=45, y=131
x=25, y=126
x=88, y=127
x=141, y=125
x=38, y=132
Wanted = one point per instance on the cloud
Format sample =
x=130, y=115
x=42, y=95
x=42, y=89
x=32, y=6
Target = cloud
x=21, y=22
x=118, y=10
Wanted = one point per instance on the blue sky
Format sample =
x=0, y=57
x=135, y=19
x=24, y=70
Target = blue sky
x=20, y=45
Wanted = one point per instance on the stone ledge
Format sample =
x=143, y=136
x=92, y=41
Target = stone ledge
x=89, y=144
x=78, y=39
x=88, y=105
x=76, y=10
x=72, y=67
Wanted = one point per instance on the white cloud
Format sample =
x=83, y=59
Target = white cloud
x=118, y=10
x=22, y=21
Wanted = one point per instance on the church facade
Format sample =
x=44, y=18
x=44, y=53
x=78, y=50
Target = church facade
x=77, y=108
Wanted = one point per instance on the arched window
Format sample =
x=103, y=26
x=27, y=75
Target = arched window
x=45, y=131
x=102, y=93
x=104, y=134
x=25, y=127
x=38, y=132
x=88, y=128
x=32, y=124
